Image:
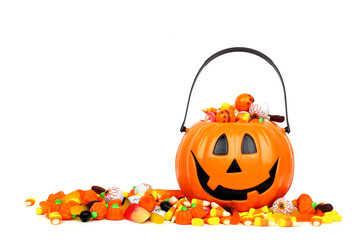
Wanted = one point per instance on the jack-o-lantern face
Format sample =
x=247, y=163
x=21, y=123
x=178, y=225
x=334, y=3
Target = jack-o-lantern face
x=241, y=165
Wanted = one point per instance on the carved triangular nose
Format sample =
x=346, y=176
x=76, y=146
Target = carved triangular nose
x=234, y=167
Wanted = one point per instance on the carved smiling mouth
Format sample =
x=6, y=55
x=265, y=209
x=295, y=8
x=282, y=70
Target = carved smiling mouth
x=226, y=194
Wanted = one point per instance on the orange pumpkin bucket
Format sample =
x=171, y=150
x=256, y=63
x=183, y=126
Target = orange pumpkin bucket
x=236, y=164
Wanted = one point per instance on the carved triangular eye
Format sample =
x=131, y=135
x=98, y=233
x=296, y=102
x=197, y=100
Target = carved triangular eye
x=248, y=145
x=221, y=146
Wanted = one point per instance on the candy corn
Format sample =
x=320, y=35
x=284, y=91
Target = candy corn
x=200, y=202
x=185, y=202
x=214, y=212
x=247, y=220
x=30, y=202
x=217, y=206
x=316, y=221
x=285, y=222
x=258, y=221
x=40, y=211
x=225, y=220
x=136, y=213
x=55, y=218
x=169, y=214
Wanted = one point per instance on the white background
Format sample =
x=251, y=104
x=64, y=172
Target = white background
x=94, y=93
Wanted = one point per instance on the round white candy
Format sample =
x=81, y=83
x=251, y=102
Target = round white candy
x=142, y=188
x=113, y=193
x=284, y=206
x=259, y=110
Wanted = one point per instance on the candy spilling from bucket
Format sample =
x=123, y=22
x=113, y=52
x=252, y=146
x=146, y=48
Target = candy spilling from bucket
x=144, y=204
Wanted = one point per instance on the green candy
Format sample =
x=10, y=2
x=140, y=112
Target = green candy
x=94, y=214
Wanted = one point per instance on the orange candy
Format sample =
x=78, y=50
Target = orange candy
x=98, y=210
x=30, y=202
x=115, y=212
x=226, y=115
x=147, y=202
x=89, y=196
x=305, y=204
x=243, y=102
x=65, y=210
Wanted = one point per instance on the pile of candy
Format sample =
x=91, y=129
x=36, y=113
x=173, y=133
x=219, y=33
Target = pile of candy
x=244, y=110
x=143, y=203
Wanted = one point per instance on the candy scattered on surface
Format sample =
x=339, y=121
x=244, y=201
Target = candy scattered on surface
x=145, y=207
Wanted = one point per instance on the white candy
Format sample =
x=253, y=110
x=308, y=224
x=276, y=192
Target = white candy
x=284, y=206
x=259, y=110
x=113, y=193
x=134, y=199
x=142, y=188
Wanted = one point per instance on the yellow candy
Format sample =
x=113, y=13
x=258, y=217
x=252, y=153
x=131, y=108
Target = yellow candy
x=212, y=220
x=336, y=218
x=285, y=222
x=197, y=222
x=154, y=194
x=170, y=213
x=225, y=106
x=52, y=214
x=252, y=211
x=279, y=216
x=73, y=196
x=258, y=215
x=126, y=194
x=76, y=210
x=333, y=212
x=241, y=214
x=265, y=209
x=39, y=211
x=263, y=222
x=243, y=116
x=156, y=218
x=326, y=219
x=272, y=219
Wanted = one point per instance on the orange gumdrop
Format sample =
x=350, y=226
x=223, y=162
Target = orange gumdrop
x=147, y=202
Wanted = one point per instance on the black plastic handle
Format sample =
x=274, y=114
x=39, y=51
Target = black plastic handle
x=238, y=49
